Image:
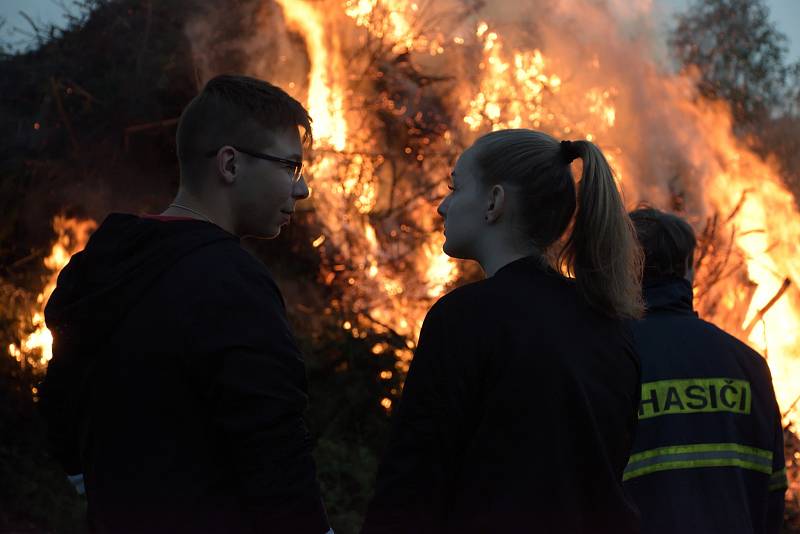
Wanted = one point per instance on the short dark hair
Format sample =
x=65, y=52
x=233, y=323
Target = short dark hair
x=668, y=242
x=233, y=110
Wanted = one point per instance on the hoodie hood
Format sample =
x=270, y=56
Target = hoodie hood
x=122, y=259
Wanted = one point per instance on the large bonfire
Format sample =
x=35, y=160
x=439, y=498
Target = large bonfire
x=398, y=88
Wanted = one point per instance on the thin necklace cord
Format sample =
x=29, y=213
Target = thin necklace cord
x=190, y=210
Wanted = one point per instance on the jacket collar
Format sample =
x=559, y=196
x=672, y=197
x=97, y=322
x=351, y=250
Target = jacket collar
x=669, y=295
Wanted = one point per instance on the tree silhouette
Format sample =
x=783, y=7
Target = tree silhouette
x=740, y=57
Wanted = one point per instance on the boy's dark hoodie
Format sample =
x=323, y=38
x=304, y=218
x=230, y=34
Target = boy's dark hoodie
x=176, y=386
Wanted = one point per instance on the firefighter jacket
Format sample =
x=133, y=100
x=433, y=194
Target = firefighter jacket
x=708, y=455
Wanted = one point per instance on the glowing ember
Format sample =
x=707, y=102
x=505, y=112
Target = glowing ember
x=397, y=21
x=36, y=348
x=511, y=91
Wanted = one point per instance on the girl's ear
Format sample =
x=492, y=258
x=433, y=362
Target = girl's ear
x=496, y=203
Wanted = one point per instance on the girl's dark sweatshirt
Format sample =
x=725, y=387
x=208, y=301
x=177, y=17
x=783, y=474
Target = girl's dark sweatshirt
x=517, y=415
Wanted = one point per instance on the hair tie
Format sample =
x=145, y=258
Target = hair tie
x=569, y=152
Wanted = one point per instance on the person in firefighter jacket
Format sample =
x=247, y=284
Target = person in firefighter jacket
x=708, y=453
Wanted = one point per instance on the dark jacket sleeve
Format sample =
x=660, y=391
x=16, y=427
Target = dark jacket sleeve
x=257, y=396
x=777, y=480
x=427, y=437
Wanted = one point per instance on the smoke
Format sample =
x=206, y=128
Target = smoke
x=248, y=37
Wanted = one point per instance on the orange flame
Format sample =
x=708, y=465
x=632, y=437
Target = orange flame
x=347, y=184
x=36, y=348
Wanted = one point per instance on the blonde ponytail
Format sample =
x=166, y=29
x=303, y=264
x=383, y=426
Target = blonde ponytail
x=602, y=252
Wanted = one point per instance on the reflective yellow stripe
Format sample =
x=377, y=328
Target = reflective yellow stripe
x=698, y=455
x=778, y=480
x=702, y=447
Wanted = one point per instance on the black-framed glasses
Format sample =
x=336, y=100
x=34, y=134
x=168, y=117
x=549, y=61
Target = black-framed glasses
x=295, y=166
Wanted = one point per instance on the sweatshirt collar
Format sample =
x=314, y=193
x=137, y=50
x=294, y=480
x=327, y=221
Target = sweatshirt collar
x=526, y=263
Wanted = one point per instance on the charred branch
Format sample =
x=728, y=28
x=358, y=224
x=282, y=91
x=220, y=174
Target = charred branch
x=144, y=127
x=63, y=115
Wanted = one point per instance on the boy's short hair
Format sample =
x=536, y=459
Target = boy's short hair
x=235, y=110
x=668, y=242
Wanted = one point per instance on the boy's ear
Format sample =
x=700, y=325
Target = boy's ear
x=227, y=164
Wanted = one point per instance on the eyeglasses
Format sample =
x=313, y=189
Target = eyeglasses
x=295, y=166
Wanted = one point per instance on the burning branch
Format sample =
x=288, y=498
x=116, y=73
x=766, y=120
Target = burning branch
x=716, y=261
x=760, y=315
